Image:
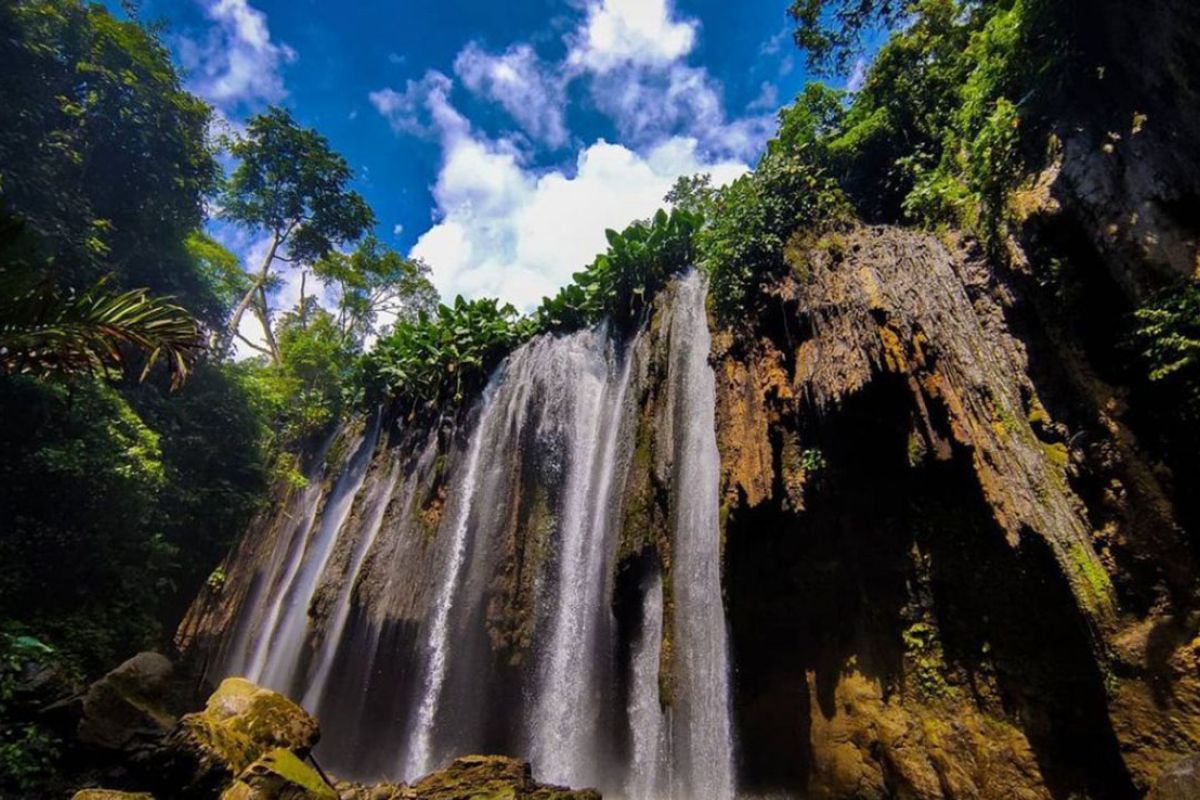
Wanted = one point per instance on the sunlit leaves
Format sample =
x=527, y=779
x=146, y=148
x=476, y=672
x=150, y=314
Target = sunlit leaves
x=436, y=360
x=50, y=333
x=620, y=282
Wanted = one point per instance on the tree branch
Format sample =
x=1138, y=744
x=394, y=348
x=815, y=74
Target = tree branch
x=251, y=344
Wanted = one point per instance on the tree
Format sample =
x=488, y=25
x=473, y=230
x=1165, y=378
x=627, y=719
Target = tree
x=829, y=31
x=375, y=281
x=290, y=184
x=102, y=153
x=692, y=193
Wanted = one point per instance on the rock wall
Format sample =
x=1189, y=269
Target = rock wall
x=950, y=570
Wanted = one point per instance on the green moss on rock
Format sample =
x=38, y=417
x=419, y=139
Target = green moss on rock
x=1095, y=580
x=923, y=656
x=491, y=778
x=266, y=718
x=279, y=775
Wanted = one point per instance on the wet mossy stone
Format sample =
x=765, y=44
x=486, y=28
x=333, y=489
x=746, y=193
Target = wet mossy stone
x=240, y=723
x=280, y=775
x=267, y=718
x=491, y=778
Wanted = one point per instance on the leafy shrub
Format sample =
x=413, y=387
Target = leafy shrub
x=753, y=218
x=440, y=358
x=1167, y=335
x=27, y=752
x=621, y=282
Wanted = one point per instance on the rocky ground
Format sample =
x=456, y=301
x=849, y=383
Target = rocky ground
x=246, y=743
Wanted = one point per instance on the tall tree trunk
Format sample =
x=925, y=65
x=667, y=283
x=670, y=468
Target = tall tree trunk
x=264, y=316
x=303, y=305
x=255, y=286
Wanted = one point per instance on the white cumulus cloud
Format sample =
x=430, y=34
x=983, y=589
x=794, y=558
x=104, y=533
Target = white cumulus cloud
x=237, y=62
x=618, y=32
x=649, y=104
x=531, y=91
x=507, y=230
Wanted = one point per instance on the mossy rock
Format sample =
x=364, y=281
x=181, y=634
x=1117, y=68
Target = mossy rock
x=109, y=794
x=280, y=775
x=202, y=755
x=240, y=723
x=491, y=778
x=267, y=718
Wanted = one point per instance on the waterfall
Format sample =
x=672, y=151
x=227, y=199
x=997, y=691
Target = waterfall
x=701, y=729
x=648, y=768
x=571, y=684
x=471, y=604
x=376, y=504
x=437, y=640
x=281, y=640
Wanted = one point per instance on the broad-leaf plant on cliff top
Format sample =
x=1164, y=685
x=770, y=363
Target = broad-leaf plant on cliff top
x=439, y=359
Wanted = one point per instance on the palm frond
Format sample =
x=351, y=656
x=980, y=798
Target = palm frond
x=50, y=333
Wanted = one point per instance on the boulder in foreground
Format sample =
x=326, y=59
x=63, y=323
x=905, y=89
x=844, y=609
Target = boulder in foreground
x=491, y=776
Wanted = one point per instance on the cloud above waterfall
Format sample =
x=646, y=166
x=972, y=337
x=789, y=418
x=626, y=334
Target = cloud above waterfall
x=509, y=230
x=508, y=225
x=530, y=90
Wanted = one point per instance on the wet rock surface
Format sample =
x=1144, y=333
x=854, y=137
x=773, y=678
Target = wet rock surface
x=250, y=743
x=490, y=776
x=240, y=724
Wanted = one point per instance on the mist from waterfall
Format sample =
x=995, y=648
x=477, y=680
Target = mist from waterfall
x=540, y=463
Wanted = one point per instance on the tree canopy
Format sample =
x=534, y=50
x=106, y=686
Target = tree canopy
x=290, y=184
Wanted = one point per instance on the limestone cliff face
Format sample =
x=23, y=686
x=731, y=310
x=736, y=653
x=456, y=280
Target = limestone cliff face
x=949, y=569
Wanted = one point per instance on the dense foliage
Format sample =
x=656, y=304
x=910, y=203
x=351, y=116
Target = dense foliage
x=935, y=134
x=114, y=494
x=436, y=360
x=102, y=153
x=753, y=219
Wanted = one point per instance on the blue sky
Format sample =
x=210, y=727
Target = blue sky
x=497, y=141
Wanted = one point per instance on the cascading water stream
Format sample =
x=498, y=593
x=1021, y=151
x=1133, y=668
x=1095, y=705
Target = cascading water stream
x=570, y=686
x=702, y=731
x=419, y=753
x=648, y=724
x=282, y=637
x=376, y=504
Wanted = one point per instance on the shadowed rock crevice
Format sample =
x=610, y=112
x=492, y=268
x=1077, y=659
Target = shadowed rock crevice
x=895, y=577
